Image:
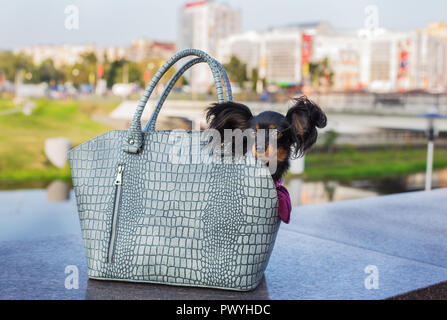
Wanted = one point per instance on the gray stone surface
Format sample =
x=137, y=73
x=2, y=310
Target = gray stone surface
x=408, y=225
x=322, y=254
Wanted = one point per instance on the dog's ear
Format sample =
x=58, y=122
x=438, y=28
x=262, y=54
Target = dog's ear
x=304, y=117
x=228, y=115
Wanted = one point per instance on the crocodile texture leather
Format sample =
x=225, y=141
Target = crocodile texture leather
x=196, y=224
x=157, y=209
x=134, y=139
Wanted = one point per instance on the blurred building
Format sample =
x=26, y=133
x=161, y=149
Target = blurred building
x=388, y=61
x=69, y=54
x=385, y=61
x=60, y=54
x=280, y=54
x=346, y=59
x=246, y=46
x=201, y=25
x=143, y=49
x=402, y=61
x=437, y=29
x=112, y=53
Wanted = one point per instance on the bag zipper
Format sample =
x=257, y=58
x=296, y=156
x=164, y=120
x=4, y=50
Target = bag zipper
x=116, y=205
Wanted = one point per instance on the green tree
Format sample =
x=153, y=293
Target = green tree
x=237, y=71
x=330, y=138
x=23, y=62
x=47, y=72
x=321, y=72
x=134, y=73
x=83, y=71
x=89, y=58
x=11, y=63
x=112, y=72
x=151, y=66
x=7, y=65
x=254, y=79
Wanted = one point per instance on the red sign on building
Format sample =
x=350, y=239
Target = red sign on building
x=306, y=48
x=100, y=70
x=403, y=56
x=306, y=52
x=195, y=3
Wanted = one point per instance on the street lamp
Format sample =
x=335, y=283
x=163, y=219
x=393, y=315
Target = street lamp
x=431, y=133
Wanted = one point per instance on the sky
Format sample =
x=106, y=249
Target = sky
x=119, y=22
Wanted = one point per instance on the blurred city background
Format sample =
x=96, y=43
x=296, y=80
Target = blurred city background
x=71, y=71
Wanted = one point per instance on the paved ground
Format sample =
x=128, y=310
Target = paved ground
x=322, y=254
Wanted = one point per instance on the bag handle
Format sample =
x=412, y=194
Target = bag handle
x=150, y=125
x=134, y=138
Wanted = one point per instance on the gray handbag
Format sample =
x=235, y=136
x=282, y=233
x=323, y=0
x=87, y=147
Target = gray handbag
x=147, y=218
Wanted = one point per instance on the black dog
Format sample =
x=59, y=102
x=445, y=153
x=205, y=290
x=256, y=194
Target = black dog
x=294, y=133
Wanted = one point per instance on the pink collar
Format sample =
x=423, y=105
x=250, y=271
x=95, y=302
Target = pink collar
x=284, y=203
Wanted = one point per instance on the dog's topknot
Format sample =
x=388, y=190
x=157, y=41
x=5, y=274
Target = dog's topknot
x=304, y=117
x=228, y=115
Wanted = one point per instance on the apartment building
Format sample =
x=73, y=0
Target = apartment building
x=201, y=25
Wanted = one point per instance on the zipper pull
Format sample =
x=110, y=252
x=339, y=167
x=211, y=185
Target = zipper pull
x=119, y=176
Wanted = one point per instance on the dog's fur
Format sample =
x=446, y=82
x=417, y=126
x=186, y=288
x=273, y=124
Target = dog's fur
x=295, y=135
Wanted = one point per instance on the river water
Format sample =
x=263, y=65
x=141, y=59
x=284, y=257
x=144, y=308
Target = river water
x=313, y=192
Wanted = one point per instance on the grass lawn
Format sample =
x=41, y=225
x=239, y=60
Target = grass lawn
x=22, y=158
x=6, y=104
x=349, y=163
x=23, y=163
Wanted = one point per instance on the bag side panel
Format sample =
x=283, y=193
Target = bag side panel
x=181, y=222
x=93, y=166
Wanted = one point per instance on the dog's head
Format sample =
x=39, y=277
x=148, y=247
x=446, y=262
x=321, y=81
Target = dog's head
x=274, y=135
